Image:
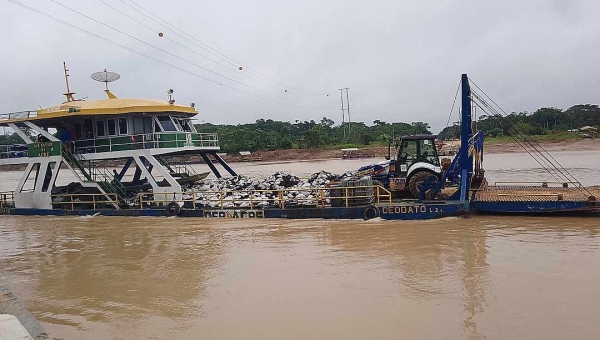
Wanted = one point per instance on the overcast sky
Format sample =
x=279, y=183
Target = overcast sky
x=402, y=60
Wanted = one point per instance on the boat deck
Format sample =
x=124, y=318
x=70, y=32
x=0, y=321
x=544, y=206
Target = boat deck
x=529, y=199
x=527, y=193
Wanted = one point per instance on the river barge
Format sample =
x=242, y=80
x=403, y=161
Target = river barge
x=143, y=137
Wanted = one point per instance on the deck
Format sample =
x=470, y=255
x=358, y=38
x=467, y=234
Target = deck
x=519, y=198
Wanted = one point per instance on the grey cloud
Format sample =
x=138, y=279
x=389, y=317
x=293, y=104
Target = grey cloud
x=401, y=59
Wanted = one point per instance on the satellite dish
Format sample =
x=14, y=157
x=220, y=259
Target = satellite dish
x=105, y=77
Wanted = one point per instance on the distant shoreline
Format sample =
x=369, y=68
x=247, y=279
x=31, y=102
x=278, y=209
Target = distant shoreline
x=493, y=147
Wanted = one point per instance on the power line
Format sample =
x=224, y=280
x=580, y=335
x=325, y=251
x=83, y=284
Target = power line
x=209, y=48
x=181, y=45
x=144, y=54
x=183, y=59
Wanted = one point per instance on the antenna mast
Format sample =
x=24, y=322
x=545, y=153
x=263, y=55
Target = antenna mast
x=69, y=94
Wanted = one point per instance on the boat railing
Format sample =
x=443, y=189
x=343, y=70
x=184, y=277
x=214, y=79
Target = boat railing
x=146, y=141
x=7, y=199
x=545, y=184
x=13, y=151
x=252, y=199
x=82, y=201
x=18, y=115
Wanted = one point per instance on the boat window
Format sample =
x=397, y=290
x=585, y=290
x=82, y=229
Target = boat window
x=122, y=126
x=186, y=125
x=157, y=126
x=100, y=131
x=191, y=125
x=166, y=123
x=428, y=152
x=409, y=152
x=111, y=127
x=88, y=128
x=178, y=124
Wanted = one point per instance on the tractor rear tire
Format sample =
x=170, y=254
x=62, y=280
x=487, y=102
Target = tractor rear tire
x=415, y=181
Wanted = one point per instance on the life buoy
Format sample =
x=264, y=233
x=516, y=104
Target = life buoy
x=172, y=209
x=370, y=212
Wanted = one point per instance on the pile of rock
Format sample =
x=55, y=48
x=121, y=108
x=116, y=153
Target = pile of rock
x=245, y=192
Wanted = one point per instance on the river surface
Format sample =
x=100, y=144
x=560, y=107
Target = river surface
x=481, y=277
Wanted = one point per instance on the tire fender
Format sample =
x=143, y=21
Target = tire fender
x=370, y=212
x=172, y=209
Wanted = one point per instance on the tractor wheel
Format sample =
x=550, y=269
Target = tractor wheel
x=414, y=184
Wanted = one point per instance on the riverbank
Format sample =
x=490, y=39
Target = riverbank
x=493, y=147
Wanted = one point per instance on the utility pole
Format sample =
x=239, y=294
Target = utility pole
x=343, y=115
x=349, y=120
x=347, y=108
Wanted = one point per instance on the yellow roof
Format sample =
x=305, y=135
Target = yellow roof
x=111, y=106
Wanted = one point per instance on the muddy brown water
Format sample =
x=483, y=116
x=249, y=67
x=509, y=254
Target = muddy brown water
x=482, y=277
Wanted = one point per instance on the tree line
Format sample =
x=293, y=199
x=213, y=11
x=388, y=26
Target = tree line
x=273, y=135
x=541, y=122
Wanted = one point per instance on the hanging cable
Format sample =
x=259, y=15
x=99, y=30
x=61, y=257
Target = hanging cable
x=520, y=143
x=146, y=55
x=534, y=144
x=187, y=48
x=208, y=48
x=453, y=103
x=183, y=59
x=545, y=159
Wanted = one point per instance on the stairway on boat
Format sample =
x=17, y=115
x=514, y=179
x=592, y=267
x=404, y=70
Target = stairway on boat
x=93, y=176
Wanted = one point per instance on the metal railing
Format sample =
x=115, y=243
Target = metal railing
x=13, y=151
x=7, y=199
x=75, y=200
x=544, y=184
x=175, y=167
x=147, y=141
x=18, y=115
x=559, y=196
x=102, y=176
x=321, y=197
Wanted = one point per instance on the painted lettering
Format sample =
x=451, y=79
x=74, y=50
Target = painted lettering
x=234, y=213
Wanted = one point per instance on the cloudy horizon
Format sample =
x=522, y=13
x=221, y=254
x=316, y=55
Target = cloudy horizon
x=401, y=60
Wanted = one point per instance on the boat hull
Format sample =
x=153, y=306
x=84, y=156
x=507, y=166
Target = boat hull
x=411, y=211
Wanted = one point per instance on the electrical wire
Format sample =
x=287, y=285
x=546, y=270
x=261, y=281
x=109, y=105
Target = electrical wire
x=144, y=54
x=185, y=60
x=185, y=47
x=208, y=48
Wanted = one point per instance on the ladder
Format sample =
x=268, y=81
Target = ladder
x=93, y=176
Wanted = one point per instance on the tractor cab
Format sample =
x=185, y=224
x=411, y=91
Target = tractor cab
x=416, y=162
x=416, y=149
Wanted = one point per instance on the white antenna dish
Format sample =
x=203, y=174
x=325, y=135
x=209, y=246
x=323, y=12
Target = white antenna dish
x=105, y=77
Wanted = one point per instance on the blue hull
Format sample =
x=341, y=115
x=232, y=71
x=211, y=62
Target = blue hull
x=533, y=207
x=411, y=211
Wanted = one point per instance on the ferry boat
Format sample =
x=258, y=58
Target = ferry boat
x=143, y=135
x=140, y=133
